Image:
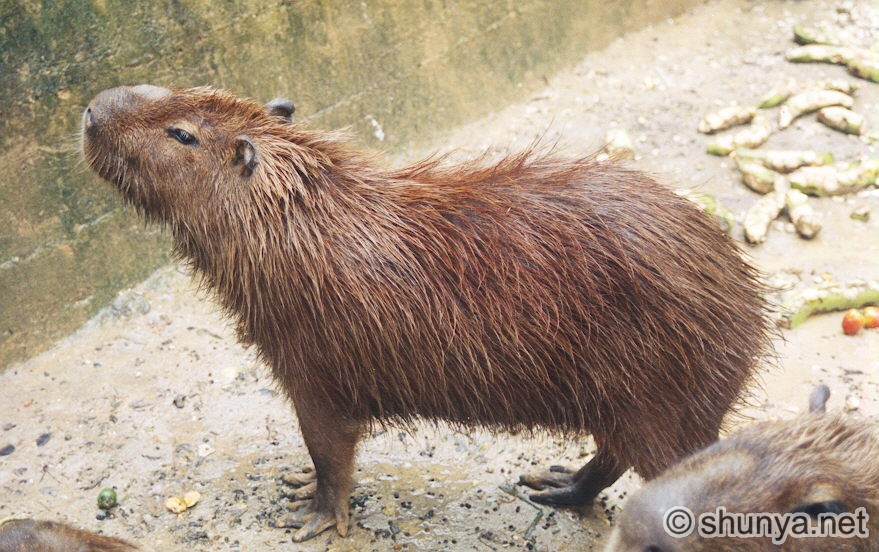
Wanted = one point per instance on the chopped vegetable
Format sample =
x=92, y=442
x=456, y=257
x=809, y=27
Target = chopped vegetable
x=838, y=179
x=756, y=176
x=758, y=132
x=865, y=67
x=709, y=205
x=821, y=53
x=811, y=100
x=726, y=118
x=785, y=161
x=842, y=119
x=801, y=214
x=761, y=214
x=830, y=296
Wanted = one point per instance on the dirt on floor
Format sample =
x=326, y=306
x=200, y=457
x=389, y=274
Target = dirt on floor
x=155, y=398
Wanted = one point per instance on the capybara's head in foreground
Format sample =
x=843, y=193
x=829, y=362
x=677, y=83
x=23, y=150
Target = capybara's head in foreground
x=814, y=465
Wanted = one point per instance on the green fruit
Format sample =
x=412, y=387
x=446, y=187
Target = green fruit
x=106, y=499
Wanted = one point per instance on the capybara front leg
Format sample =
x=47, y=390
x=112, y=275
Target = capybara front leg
x=561, y=487
x=331, y=442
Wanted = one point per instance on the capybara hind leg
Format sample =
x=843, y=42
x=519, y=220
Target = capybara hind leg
x=331, y=441
x=689, y=437
x=598, y=474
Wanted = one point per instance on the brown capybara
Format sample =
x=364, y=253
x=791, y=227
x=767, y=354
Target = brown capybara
x=28, y=535
x=533, y=293
x=811, y=465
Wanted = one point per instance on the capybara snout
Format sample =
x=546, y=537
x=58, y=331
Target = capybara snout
x=113, y=100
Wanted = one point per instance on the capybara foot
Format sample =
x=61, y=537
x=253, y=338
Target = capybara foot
x=305, y=484
x=312, y=519
x=558, y=487
x=306, y=491
x=300, y=479
x=563, y=487
x=555, y=477
x=569, y=495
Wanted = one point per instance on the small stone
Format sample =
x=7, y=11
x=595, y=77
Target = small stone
x=43, y=439
x=7, y=450
x=179, y=400
x=852, y=403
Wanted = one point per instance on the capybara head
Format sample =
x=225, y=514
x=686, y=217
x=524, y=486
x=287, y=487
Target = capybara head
x=814, y=464
x=168, y=150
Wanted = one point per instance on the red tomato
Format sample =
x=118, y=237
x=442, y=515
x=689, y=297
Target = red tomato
x=852, y=322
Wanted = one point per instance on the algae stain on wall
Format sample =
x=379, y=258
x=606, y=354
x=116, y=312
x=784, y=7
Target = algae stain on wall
x=408, y=68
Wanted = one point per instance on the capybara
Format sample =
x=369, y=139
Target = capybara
x=28, y=535
x=537, y=292
x=813, y=464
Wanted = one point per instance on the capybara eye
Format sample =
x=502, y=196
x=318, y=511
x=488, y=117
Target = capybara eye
x=817, y=508
x=182, y=136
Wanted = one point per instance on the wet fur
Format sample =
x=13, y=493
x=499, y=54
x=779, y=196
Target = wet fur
x=775, y=466
x=48, y=536
x=538, y=292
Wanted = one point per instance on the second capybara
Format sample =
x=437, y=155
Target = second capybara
x=537, y=292
x=811, y=465
x=28, y=535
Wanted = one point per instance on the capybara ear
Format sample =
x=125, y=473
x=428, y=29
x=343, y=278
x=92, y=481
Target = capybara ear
x=282, y=108
x=818, y=399
x=245, y=155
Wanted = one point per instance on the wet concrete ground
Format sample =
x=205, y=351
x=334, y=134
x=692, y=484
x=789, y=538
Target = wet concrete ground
x=155, y=397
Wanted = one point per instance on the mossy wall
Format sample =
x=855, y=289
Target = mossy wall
x=397, y=72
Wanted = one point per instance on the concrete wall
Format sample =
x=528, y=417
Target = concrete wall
x=410, y=68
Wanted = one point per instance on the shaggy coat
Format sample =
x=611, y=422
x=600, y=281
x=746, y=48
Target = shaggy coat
x=28, y=535
x=537, y=292
x=812, y=464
